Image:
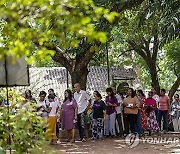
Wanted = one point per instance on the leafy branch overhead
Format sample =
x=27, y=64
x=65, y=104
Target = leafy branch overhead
x=49, y=22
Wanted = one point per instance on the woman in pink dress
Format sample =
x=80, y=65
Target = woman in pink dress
x=69, y=115
x=152, y=124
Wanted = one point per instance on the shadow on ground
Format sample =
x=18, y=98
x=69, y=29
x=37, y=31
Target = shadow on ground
x=145, y=145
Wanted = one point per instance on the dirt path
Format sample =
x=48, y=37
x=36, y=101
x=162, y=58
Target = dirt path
x=118, y=145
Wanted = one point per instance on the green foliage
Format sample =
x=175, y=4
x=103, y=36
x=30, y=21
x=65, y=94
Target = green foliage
x=173, y=55
x=26, y=23
x=21, y=123
x=168, y=12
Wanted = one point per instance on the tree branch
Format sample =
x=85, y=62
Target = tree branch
x=121, y=6
x=174, y=87
x=155, y=47
x=87, y=56
x=146, y=47
x=138, y=50
x=61, y=57
x=125, y=52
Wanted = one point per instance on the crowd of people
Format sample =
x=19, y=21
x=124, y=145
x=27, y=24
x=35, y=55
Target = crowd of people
x=116, y=115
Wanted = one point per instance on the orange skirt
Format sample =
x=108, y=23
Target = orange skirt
x=51, y=129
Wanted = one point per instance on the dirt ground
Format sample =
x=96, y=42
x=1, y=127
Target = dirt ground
x=118, y=145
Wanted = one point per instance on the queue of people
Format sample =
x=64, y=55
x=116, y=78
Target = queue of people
x=117, y=115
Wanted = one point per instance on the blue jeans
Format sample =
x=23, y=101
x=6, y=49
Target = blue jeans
x=157, y=115
x=138, y=125
x=109, y=126
x=163, y=115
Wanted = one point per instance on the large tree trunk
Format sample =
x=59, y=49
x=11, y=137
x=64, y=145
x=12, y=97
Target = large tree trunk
x=79, y=76
x=174, y=88
x=77, y=67
x=142, y=47
x=154, y=76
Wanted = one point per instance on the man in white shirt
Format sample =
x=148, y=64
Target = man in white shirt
x=84, y=101
x=118, y=113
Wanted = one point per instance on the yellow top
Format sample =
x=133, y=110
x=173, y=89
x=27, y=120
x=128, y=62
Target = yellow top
x=131, y=105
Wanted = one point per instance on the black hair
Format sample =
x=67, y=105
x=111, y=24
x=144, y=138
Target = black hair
x=70, y=95
x=98, y=94
x=111, y=91
x=122, y=96
x=51, y=89
x=176, y=95
x=51, y=96
x=95, y=91
x=133, y=93
x=42, y=93
x=163, y=90
x=150, y=92
x=29, y=91
x=141, y=92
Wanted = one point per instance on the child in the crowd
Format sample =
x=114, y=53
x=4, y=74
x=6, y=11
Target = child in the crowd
x=56, y=100
x=42, y=107
x=51, y=127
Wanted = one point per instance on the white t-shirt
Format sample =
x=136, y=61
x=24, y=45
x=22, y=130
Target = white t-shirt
x=156, y=97
x=53, y=106
x=118, y=108
x=82, y=100
x=39, y=104
x=55, y=100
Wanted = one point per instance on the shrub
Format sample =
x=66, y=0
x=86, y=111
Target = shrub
x=20, y=124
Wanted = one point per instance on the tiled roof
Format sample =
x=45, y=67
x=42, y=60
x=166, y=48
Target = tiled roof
x=44, y=78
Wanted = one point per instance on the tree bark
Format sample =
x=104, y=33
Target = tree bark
x=174, y=88
x=154, y=76
x=144, y=52
x=79, y=76
x=78, y=67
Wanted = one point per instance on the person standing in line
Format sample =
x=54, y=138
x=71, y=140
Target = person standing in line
x=156, y=97
x=42, y=108
x=69, y=115
x=84, y=101
x=175, y=113
x=131, y=105
x=111, y=103
x=51, y=124
x=150, y=104
x=118, y=113
x=28, y=96
x=99, y=115
x=56, y=100
x=164, y=108
x=91, y=114
x=141, y=116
